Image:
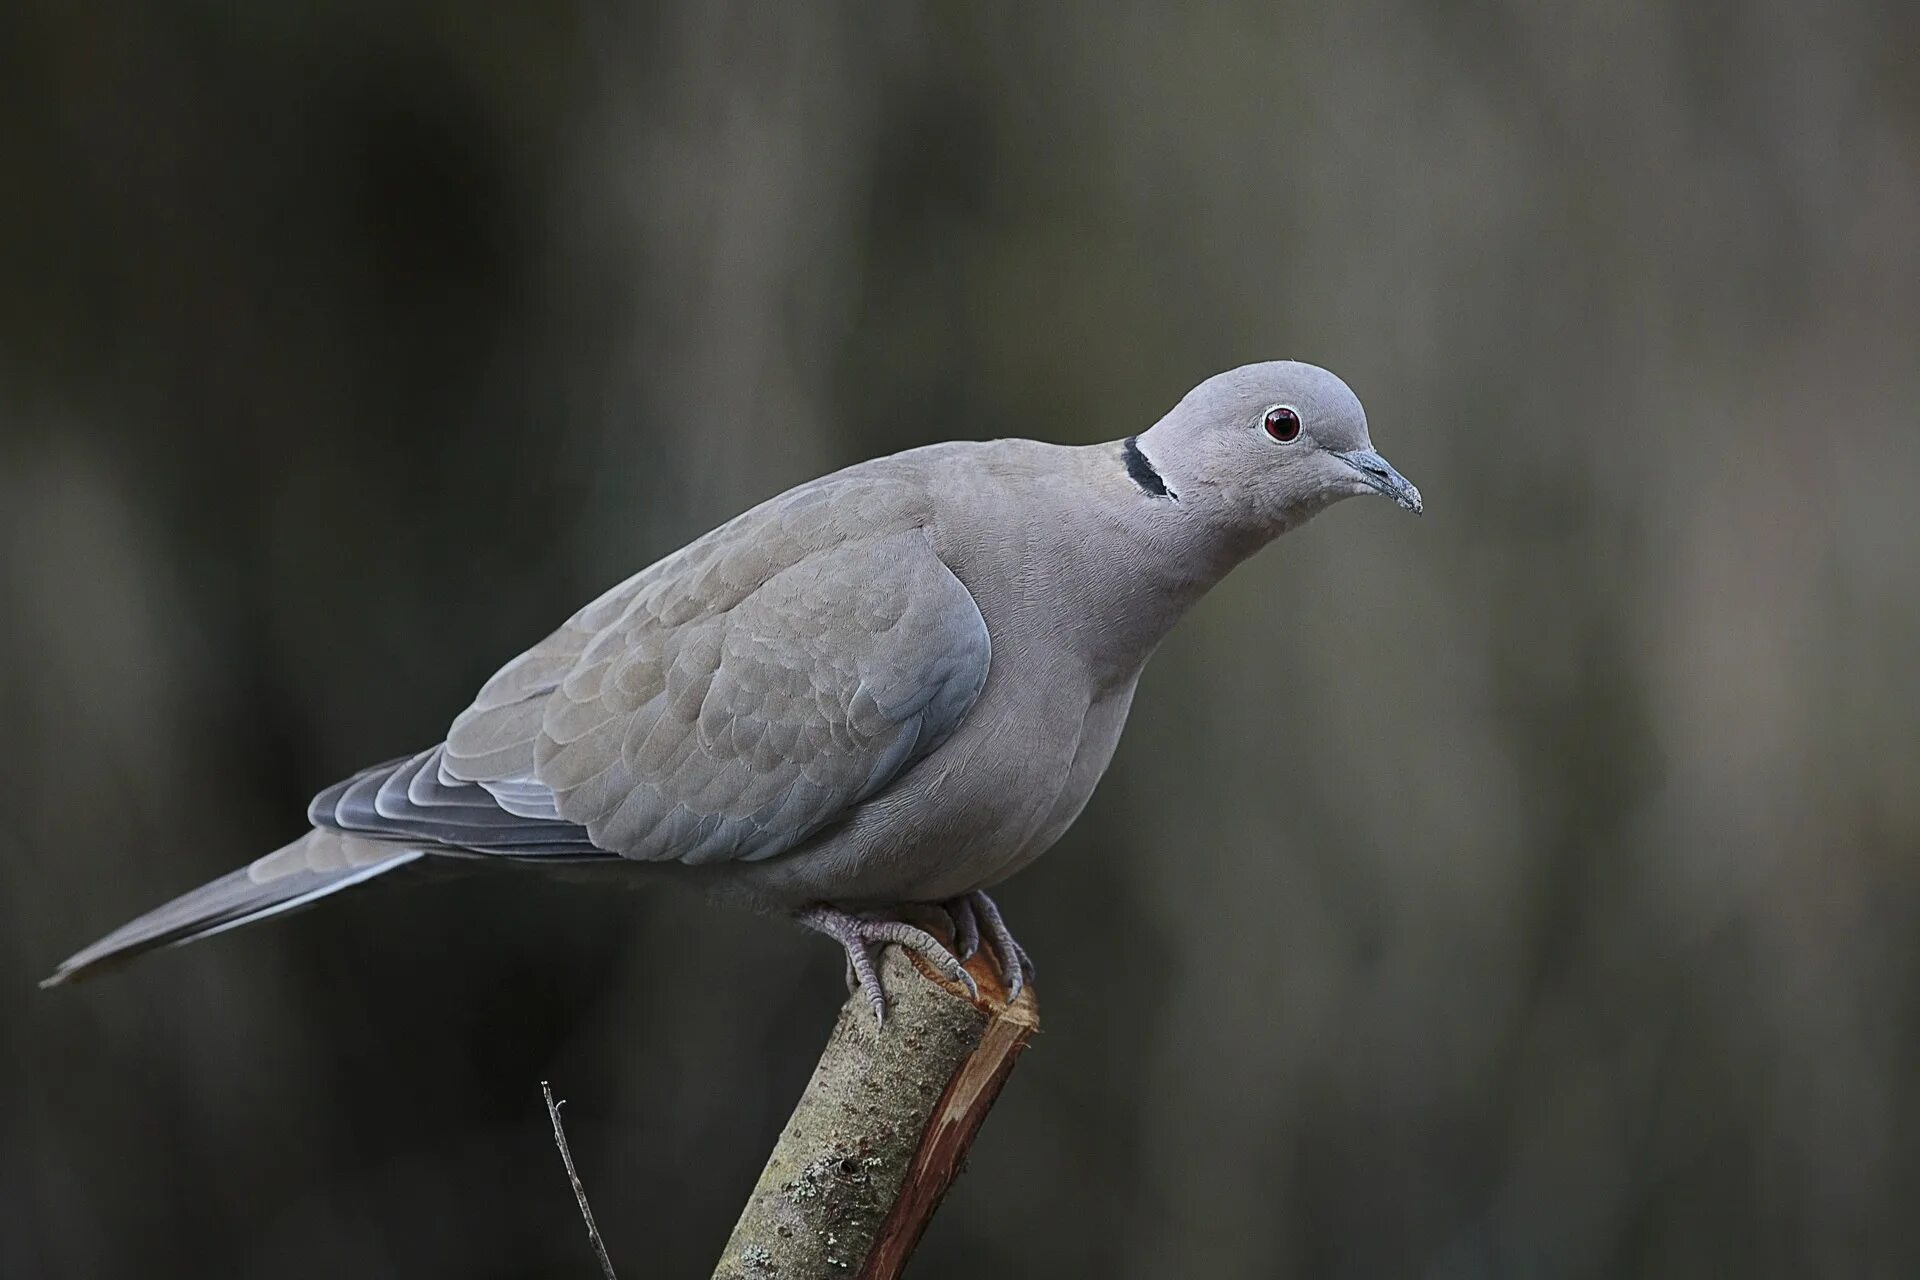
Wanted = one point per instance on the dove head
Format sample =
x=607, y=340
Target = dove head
x=1264, y=448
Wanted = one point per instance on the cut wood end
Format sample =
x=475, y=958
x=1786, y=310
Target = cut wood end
x=992, y=1000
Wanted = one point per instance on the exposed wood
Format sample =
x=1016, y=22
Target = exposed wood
x=882, y=1129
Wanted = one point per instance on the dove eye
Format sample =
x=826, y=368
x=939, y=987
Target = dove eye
x=1283, y=424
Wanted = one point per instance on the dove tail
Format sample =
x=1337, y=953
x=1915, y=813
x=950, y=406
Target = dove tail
x=320, y=863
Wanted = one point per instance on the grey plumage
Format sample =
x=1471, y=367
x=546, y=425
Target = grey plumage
x=320, y=863
x=895, y=684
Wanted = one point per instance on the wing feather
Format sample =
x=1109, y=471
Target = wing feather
x=737, y=697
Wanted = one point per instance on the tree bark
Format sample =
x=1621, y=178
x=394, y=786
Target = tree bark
x=883, y=1127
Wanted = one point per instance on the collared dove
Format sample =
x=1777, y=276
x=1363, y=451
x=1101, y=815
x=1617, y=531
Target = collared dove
x=895, y=685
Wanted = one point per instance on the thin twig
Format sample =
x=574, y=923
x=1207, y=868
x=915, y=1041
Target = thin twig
x=579, y=1190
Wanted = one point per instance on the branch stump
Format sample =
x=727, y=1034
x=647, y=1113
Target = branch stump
x=883, y=1127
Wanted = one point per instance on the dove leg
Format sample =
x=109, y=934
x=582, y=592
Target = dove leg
x=966, y=927
x=861, y=935
x=982, y=916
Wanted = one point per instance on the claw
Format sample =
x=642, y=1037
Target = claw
x=859, y=935
x=1015, y=965
x=966, y=928
x=923, y=944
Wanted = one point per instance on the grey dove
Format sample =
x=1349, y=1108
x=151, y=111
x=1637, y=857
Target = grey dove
x=890, y=687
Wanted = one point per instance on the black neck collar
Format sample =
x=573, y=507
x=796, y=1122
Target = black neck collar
x=1141, y=471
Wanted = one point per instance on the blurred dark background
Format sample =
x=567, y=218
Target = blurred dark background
x=1562, y=923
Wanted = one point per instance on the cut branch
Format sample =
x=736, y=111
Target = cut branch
x=882, y=1129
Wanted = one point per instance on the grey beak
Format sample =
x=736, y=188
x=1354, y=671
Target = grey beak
x=1383, y=479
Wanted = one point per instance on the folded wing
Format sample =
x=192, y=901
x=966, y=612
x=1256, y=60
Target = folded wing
x=727, y=703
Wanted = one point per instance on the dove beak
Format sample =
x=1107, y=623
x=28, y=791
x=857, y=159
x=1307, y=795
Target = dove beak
x=1378, y=474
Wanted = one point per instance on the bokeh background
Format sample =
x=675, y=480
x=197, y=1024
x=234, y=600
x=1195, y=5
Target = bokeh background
x=1528, y=890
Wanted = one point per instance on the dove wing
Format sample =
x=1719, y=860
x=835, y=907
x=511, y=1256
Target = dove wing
x=726, y=703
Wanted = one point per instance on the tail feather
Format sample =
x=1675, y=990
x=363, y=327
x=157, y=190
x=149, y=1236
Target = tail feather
x=320, y=863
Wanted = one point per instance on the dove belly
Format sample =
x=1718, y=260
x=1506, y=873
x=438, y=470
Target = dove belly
x=986, y=803
x=1100, y=730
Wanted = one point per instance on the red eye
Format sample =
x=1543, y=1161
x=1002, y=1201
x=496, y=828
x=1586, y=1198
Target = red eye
x=1283, y=424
